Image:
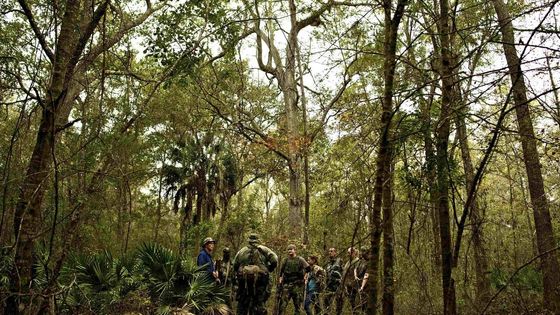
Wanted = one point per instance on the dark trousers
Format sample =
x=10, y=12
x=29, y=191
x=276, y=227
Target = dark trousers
x=312, y=301
x=252, y=296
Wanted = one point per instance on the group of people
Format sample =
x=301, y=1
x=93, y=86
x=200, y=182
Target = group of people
x=321, y=290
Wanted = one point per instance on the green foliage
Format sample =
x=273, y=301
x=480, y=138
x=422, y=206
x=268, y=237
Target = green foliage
x=97, y=282
x=6, y=264
x=101, y=283
x=527, y=278
x=175, y=281
x=176, y=38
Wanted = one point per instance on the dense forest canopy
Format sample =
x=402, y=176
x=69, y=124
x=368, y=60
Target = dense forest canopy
x=427, y=132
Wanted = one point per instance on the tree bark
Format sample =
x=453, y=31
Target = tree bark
x=383, y=163
x=305, y=152
x=289, y=91
x=27, y=219
x=388, y=300
x=541, y=213
x=443, y=130
x=431, y=174
x=68, y=64
x=480, y=256
x=284, y=71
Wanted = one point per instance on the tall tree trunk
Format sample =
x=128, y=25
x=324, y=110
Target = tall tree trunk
x=290, y=94
x=68, y=64
x=388, y=246
x=305, y=150
x=284, y=72
x=159, y=204
x=431, y=174
x=443, y=130
x=27, y=221
x=480, y=256
x=541, y=213
x=472, y=208
x=383, y=163
x=426, y=104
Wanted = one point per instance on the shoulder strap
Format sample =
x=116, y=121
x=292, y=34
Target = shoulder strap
x=261, y=250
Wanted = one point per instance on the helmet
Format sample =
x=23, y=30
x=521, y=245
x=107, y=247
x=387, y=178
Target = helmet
x=208, y=240
x=226, y=250
x=253, y=238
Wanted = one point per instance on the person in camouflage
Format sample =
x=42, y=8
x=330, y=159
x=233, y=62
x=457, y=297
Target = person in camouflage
x=223, y=267
x=314, y=284
x=292, y=273
x=361, y=276
x=334, y=278
x=225, y=273
x=349, y=289
x=253, y=265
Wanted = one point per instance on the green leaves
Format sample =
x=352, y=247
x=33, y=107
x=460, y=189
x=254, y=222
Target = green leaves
x=184, y=33
x=527, y=278
x=102, y=283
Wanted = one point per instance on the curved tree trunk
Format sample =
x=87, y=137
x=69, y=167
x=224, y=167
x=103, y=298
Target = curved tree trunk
x=68, y=64
x=59, y=96
x=541, y=213
x=480, y=256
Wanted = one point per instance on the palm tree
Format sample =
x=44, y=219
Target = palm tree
x=202, y=177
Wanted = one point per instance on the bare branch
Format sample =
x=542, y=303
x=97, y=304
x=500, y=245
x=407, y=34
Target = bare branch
x=35, y=28
x=67, y=125
x=334, y=100
x=90, y=56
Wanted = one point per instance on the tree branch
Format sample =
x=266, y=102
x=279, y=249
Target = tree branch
x=35, y=28
x=90, y=56
x=314, y=18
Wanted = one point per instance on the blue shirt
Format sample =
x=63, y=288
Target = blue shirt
x=205, y=258
x=311, y=285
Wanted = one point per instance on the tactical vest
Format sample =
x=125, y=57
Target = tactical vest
x=361, y=268
x=334, y=274
x=293, y=270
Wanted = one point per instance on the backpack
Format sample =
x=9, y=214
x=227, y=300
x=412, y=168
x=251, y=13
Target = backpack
x=254, y=267
x=334, y=274
x=319, y=276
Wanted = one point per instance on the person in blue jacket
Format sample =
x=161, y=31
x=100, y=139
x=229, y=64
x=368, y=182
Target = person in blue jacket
x=205, y=258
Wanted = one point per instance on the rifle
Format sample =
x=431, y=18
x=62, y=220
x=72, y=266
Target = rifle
x=278, y=299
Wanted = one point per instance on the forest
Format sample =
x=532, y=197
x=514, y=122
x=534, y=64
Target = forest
x=426, y=133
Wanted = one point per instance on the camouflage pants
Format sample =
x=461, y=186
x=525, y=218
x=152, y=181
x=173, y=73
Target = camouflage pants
x=294, y=292
x=251, y=297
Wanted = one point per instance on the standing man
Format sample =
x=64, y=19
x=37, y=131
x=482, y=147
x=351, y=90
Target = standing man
x=223, y=266
x=361, y=276
x=334, y=277
x=314, y=284
x=205, y=258
x=350, y=289
x=292, y=273
x=225, y=274
x=253, y=265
